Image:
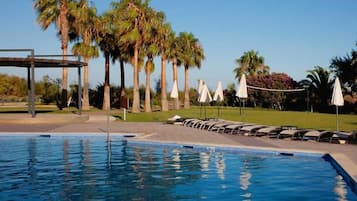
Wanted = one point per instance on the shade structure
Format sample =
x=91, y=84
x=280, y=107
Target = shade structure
x=242, y=88
x=205, y=96
x=200, y=87
x=337, y=99
x=174, y=91
x=218, y=94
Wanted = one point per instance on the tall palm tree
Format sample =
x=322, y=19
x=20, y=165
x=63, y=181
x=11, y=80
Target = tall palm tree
x=85, y=23
x=149, y=68
x=134, y=24
x=56, y=12
x=191, y=54
x=175, y=60
x=319, y=85
x=164, y=42
x=106, y=41
x=250, y=63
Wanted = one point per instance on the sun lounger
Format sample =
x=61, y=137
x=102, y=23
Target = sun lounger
x=312, y=135
x=270, y=130
x=287, y=133
x=300, y=135
x=177, y=120
x=250, y=130
x=233, y=128
x=219, y=127
x=335, y=137
x=186, y=122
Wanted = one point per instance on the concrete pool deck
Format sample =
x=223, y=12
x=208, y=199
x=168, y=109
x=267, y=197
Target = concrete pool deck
x=345, y=155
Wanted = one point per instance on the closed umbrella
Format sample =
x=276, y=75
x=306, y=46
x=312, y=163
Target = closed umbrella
x=218, y=95
x=205, y=97
x=174, y=91
x=242, y=89
x=200, y=87
x=337, y=98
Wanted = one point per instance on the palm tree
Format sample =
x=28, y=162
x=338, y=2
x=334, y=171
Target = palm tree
x=106, y=41
x=164, y=42
x=149, y=68
x=134, y=24
x=191, y=54
x=319, y=85
x=85, y=22
x=175, y=60
x=250, y=63
x=56, y=12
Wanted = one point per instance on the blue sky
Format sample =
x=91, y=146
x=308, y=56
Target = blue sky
x=292, y=36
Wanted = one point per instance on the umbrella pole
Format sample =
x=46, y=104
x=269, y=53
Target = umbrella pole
x=337, y=119
x=240, y=107
x=205, y=111
x=218, y=113
x=200, y=110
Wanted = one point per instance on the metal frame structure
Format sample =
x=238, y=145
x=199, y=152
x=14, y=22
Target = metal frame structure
x=32, y=61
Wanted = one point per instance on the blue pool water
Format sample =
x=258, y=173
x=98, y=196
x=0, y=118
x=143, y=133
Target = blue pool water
x=90, y=168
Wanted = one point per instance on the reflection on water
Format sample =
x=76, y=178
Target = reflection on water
x=220, y=165
x=83, y=168
x=204, y=161
x=244, y=178
x=340, y=188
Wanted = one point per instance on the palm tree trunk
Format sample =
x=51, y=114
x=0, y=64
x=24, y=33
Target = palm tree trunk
x=123, y=101
x=147, y=91
x=106, y=98
x=64, y=82
x=122, y=79
x=187, y=97
x=136, y=95
x=174, y=66
x=164, y=104
x=64, y=38
x=85, y=104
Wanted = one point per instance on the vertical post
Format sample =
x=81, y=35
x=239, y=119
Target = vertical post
x=79, y=91
x=29, y=90
x=33, y=83
x=337, y=127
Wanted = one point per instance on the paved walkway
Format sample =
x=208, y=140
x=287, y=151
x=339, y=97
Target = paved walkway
x=345, y=155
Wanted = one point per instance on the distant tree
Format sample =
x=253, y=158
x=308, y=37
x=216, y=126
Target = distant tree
x=85, y=22
x=319, y=85
x=56, y=12
x=250, y=63
x=270, y=99
x=47, y=88
x=191, y=55
x=12, y=86
x=346, y=69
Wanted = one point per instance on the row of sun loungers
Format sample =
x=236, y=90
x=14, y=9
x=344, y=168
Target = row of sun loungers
x=282, y=132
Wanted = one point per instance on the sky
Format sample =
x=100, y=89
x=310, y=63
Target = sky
x=293, y=36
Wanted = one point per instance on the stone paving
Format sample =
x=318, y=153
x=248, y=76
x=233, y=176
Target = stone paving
x=345, y=155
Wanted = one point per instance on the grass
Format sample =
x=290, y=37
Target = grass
x=321, y=121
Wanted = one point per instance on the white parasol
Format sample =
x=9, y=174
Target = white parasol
x=174, y=91
x=337, y=98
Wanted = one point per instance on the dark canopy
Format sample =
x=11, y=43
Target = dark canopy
x=39, y=63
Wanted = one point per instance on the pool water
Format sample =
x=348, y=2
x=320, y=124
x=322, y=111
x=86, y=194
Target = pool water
x=91, y=168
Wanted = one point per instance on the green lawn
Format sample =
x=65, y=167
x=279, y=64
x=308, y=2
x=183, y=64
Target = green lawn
x=259, y=116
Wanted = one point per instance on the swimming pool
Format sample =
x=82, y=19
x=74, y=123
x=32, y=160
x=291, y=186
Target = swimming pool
x=90, y=168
